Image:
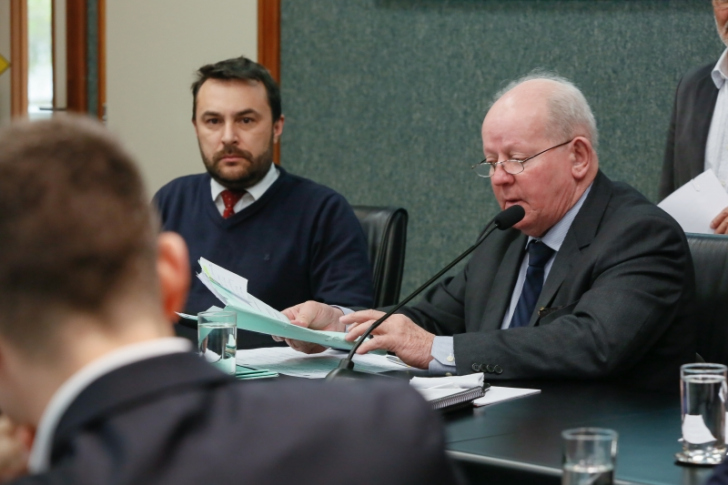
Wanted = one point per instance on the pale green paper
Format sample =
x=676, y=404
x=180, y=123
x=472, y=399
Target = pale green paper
x=256, y=316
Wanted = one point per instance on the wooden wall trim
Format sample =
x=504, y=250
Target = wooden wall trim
x=269, y=36
x=269, y=46
x=19, y=58
x=102, y=58
x=76, y=70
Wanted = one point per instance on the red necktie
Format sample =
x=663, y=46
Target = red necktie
x=230, y=198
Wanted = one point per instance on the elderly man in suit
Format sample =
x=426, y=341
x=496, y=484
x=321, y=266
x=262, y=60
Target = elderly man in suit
x=89, y=365
x=696, y=138
x=595, y=282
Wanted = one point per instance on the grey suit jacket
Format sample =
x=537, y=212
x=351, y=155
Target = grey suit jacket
x=689, y=126
x=176, y=420
x=616, y=304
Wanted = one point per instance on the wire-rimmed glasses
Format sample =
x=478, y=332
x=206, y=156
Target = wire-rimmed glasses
x=486, y=169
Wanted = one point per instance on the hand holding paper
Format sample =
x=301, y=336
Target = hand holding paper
x=720, y=223
x=316, y=316
x=697, y=204
x=256, y=316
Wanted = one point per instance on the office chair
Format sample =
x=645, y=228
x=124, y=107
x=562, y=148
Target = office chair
x=386, y=232
x=710, y=257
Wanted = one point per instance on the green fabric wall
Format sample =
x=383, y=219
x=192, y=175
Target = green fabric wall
x=384, y=98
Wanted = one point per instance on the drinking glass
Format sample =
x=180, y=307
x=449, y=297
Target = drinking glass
x=589, y=456
x=702, y=398
x=217, y=339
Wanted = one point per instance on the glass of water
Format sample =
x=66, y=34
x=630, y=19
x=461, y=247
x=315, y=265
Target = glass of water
x=702, y=398
x=217, y=339
x=589, y=456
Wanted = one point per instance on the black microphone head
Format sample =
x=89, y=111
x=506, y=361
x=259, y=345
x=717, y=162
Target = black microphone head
x=509, y=217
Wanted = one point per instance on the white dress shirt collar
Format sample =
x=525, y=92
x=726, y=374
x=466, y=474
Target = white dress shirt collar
x=555, y=236
x=720, y=71
x=252, y=193
x=40, y=454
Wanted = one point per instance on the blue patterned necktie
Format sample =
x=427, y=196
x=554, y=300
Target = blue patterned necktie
x=538, y=255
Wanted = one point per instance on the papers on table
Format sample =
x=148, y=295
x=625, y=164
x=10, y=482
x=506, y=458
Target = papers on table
x=246, y=373
x=285, y=360
x=433, y=388
x=438, y=387
x=697, y=202
x=498, y=394
x=255, y=315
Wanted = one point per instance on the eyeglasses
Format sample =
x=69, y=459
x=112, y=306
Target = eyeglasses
x=486, y=169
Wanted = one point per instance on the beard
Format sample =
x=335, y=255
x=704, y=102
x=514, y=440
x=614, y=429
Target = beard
x=257, y=167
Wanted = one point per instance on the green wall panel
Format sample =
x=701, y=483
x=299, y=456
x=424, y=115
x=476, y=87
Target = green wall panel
x=384, y=99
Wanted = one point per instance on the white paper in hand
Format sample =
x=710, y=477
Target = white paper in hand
x=237, y=285
x=697, y=203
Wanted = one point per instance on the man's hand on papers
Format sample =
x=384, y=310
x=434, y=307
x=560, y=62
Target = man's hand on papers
x=720, y=223
x=316, y=316
x=396, y=334
x=15, y=443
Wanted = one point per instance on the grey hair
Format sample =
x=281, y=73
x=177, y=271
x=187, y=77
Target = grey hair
x=569, y=109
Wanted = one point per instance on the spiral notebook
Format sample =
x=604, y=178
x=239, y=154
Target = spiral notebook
x=449, y=393
x=459, y=399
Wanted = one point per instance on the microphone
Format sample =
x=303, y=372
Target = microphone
x=504, y=220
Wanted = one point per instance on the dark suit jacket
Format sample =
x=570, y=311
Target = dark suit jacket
x=616, y=304
x=176, y=420
x=688, y=134
x=720, y=475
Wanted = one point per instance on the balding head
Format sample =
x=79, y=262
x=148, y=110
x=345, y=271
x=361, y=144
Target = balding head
x=541, y=113
x=568, y=110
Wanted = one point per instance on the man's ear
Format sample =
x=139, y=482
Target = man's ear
x=173, y=268
x=278, y=128
x=583, y=157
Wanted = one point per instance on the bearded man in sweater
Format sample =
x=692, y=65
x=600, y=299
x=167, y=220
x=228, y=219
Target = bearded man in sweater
x=293, y=239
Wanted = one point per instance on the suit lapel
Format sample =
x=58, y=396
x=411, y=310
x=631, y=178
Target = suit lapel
x=705, y=99
x=580, y=235
x=505, y=280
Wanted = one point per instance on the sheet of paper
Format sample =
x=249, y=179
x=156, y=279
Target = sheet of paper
x=285, y=360
x=697, y=202
x=256, y=316
x=457, y=383
x=498, y=394
x=235, y=284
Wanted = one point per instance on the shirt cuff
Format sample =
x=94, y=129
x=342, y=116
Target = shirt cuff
x=346, y=311
x=443, y=362
x=343, y=309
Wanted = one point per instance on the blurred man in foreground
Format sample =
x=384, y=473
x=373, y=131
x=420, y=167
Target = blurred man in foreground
x=595, y=282
x=88, y=363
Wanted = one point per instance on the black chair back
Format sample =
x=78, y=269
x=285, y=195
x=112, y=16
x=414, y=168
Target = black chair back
x=386, y=232
x=710, y=257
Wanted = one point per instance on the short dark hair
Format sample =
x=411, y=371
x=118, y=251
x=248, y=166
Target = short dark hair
x=240, y=69
x=76, y=227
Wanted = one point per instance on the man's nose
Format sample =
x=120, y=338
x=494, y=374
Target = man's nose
x=229, y=135
x=500, y=176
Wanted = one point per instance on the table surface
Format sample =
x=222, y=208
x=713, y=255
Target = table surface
x=524, y=435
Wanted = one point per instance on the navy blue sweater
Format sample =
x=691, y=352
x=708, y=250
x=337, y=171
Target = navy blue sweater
x=300, y=241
